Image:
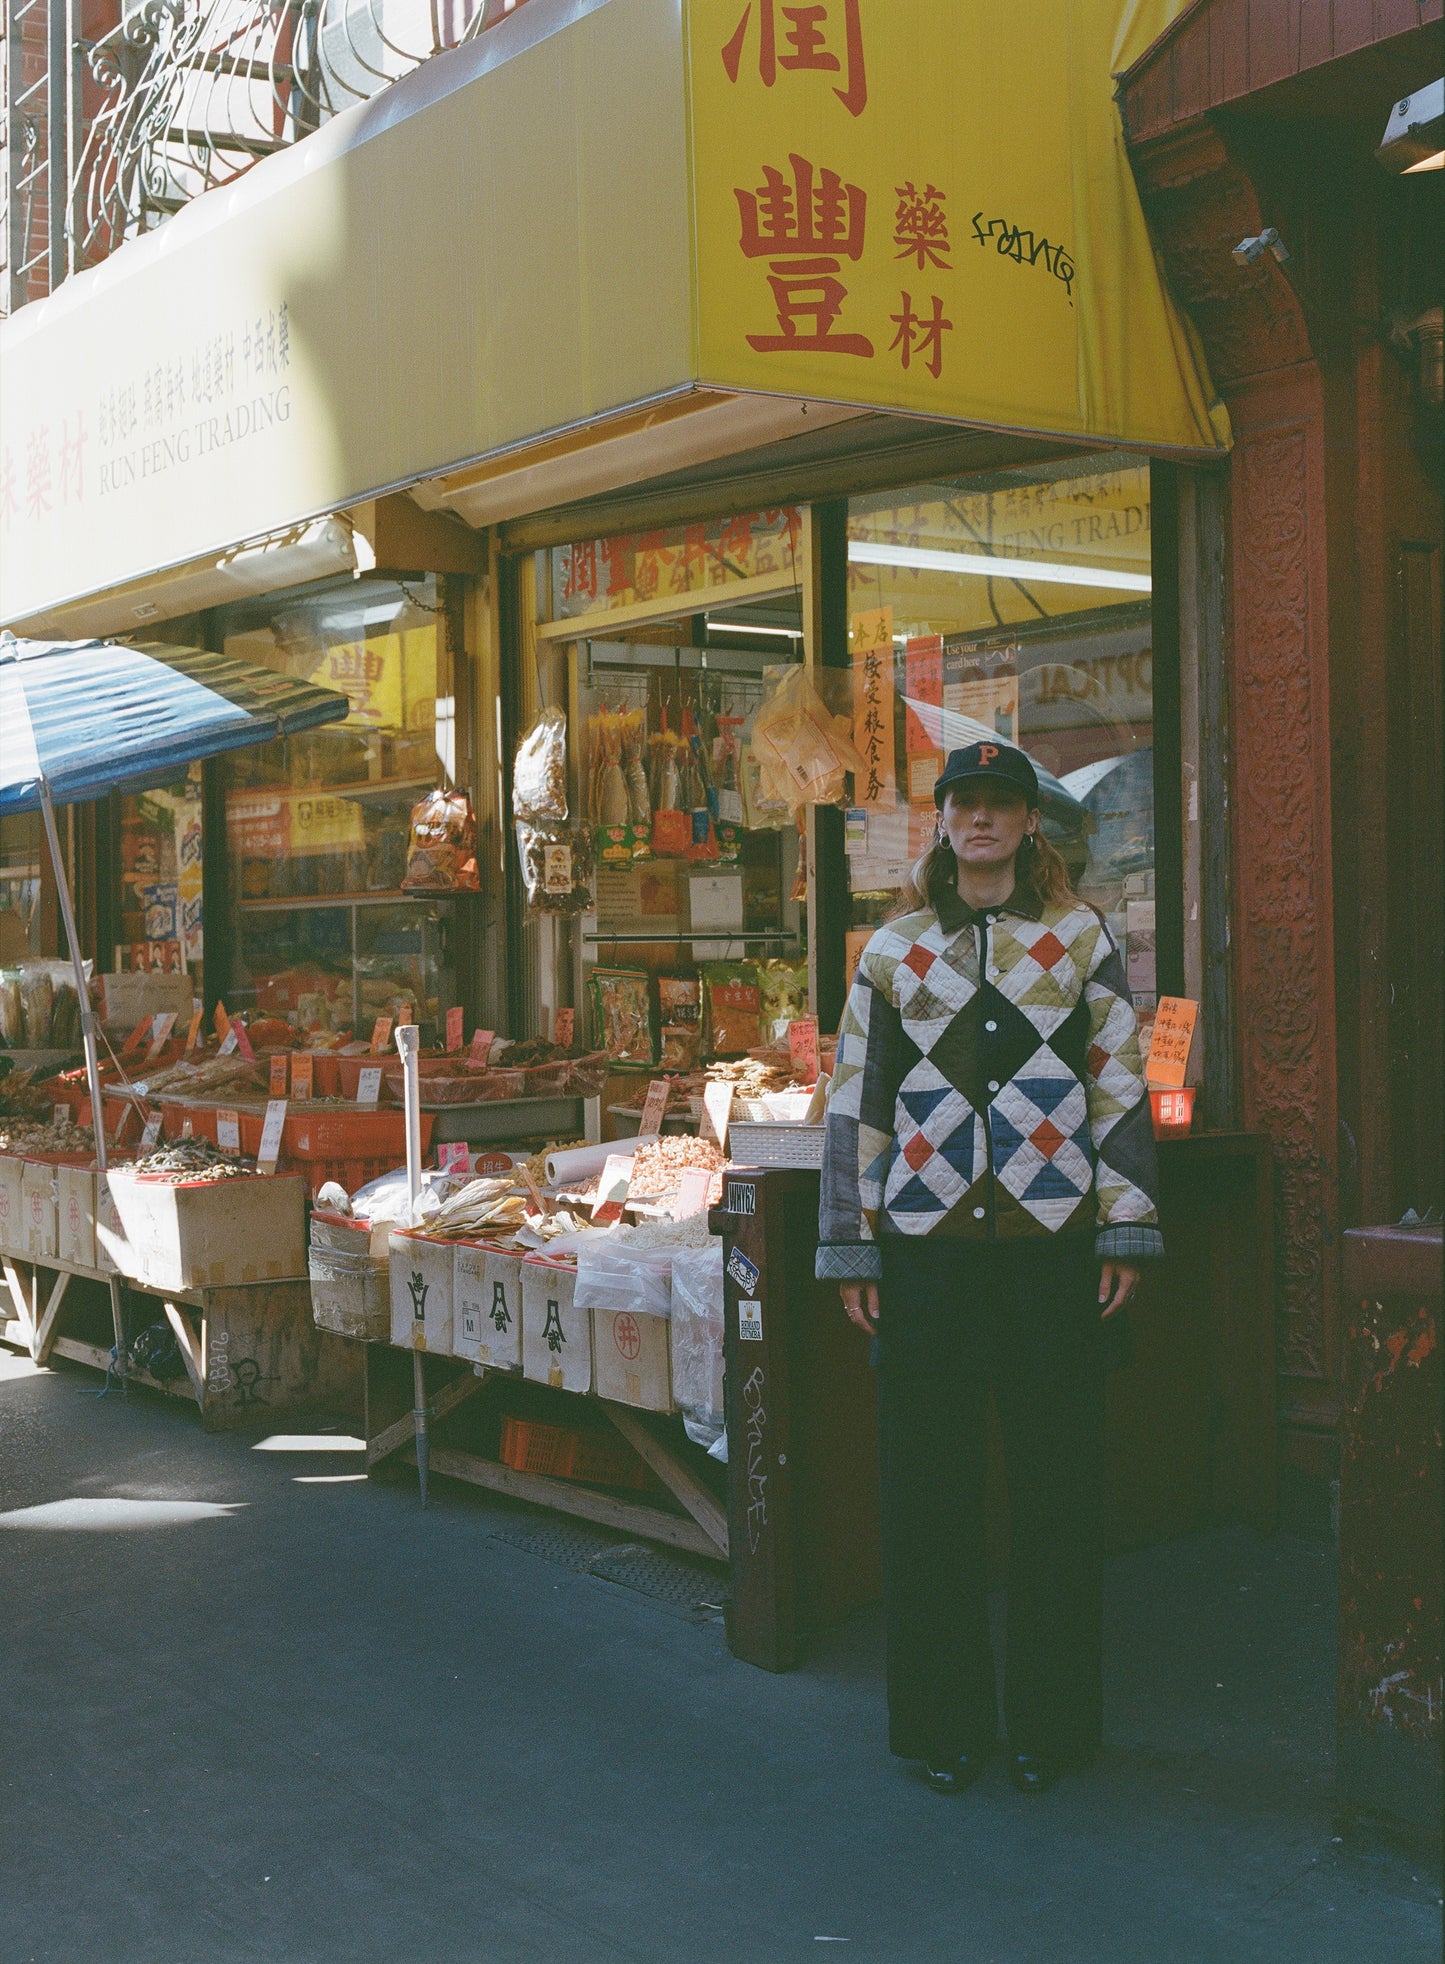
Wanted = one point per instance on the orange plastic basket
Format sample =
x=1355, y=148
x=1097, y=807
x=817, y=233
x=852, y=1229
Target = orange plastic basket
x=562, y=1452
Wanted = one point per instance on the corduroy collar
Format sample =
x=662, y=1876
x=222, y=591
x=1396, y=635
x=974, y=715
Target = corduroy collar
x=954, y=912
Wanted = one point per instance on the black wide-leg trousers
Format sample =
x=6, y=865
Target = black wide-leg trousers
x=1020, y=1321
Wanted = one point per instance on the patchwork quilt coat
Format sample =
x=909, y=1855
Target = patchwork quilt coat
x=989, y=1086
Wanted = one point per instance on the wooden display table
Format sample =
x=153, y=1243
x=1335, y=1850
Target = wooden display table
x=252, y=1351
x=466, y=1450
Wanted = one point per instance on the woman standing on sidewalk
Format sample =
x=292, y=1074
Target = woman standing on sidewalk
x=988, y=1196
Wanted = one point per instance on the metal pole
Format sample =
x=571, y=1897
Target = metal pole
x=408, y=1038
x=87, y=1033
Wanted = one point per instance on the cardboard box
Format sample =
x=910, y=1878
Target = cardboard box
x=124, y=999
x=75, y=1200
x=556, y=1335
x=487, y=1306
x=210, y=1234
x=632, y=1358
x=349, y=1295
x=421, y=1292
x=111, y=1247
x=341, y=1236
x=12, y=1224
x=40, y=1216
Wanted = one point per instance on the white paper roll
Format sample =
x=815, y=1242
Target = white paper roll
x=581, y=1162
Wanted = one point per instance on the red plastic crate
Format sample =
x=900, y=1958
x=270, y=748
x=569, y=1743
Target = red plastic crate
x=563, y=1452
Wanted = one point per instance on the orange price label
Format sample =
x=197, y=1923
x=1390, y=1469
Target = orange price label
x=222, y=1022
x=193, y=1034
x=137, y=1037
x=380, y=1035
x=1173, y=1038
x=278, y=1077
x=302, y=1076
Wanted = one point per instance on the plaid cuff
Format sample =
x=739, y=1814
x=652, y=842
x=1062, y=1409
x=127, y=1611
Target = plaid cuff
x=849, y=1261
x=1131, y=1242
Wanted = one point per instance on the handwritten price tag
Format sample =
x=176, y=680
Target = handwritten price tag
x=136, y=1038
x=161, y=1027
x=243, y=1041
x=692, y=1193
x=1172, y=1041
x=482, y=1041
x=803, y=1048
x=193, y=1034
x=564, y=1028
x=231, y=1040
x=271, y=1132
x=228, y=1131
x=302, y=1076
x=278, y=1077
x=612, y=1189
x=452, y=1156
x=368, y=1085
x=653, y=1107
x=717, y=1106
x=151, y=1133
x=454, y=1028
x=380, y=1035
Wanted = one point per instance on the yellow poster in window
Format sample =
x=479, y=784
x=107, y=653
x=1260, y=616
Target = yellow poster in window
x=370, y=674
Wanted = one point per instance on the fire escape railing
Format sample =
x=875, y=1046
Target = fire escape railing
x=120, y=112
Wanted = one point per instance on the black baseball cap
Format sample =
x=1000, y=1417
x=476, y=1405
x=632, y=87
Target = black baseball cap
x=1003, y=762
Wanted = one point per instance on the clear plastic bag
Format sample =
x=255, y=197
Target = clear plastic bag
x=556, y=867
x=539, y=774
x=697, y=1340
x=443, y=852
x=610, y=1275
x=804, y=751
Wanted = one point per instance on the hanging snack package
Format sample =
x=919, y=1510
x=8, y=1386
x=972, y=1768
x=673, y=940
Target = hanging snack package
x=442, y=855
x=556, y=867
x=622, y=1011
x=732, y=1008
x=539, y=774
x=805, y=753
x=680, y=1015
x=784, y=987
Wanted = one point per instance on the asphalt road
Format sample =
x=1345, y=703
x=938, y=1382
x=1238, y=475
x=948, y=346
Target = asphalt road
x=257, y=1708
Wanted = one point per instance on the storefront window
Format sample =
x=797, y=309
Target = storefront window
x=317, y=826
x=161, y=924
x=22, y=841
x=1014, y=606
x=699, y=913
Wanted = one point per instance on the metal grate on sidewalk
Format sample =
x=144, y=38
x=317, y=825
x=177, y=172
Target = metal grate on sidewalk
x=691, y=1588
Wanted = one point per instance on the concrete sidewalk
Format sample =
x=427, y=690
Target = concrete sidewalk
x=274, y=1712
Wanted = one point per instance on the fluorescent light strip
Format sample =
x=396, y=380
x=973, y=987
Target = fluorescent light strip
x=741, y=627
x=863, y=552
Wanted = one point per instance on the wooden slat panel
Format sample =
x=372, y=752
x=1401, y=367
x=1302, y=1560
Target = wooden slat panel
x=1316, y=31
x=674, y=1530
x=1270, y=32
x=710, y=1517
x=1191, y=71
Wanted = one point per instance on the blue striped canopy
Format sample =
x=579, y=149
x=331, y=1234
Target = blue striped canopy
x=89, y=716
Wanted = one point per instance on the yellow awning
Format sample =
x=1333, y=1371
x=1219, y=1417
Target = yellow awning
x=922, y=205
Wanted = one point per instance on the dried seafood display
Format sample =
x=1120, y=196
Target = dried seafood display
x=191, y=1160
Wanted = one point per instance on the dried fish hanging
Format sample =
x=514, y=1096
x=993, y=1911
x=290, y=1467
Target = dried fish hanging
x=618, y=804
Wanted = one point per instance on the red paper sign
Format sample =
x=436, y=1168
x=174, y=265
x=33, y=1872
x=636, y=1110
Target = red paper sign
x=243, y=1042
x=564, y=1028
x=136, y=1038
x=454, y=1028
x=923, y=689
x=302, y=1068
x=803, y=1048
x=454, y=1154
x=380, y=1035
x=482, y=1041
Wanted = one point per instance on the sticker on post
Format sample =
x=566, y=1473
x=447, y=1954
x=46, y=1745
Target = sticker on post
x=271, y=1131
x=742, y=1271
x=750, y=1319
x=368, y=1084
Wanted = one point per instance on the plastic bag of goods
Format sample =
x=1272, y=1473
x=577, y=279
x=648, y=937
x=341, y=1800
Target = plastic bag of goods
x=442, y=855
x=611, y=1275
x=557, y=863
x=805, y=752
x=697, y=1339
x=539, y=772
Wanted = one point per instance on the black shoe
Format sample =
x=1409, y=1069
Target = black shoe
x=952, y=1776
x=1032, y=1774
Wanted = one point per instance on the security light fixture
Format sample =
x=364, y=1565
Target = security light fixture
x=1269, y=240
x=1414, y=138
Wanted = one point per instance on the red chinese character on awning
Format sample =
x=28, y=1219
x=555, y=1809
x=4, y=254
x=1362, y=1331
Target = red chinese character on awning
x=807, y=34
